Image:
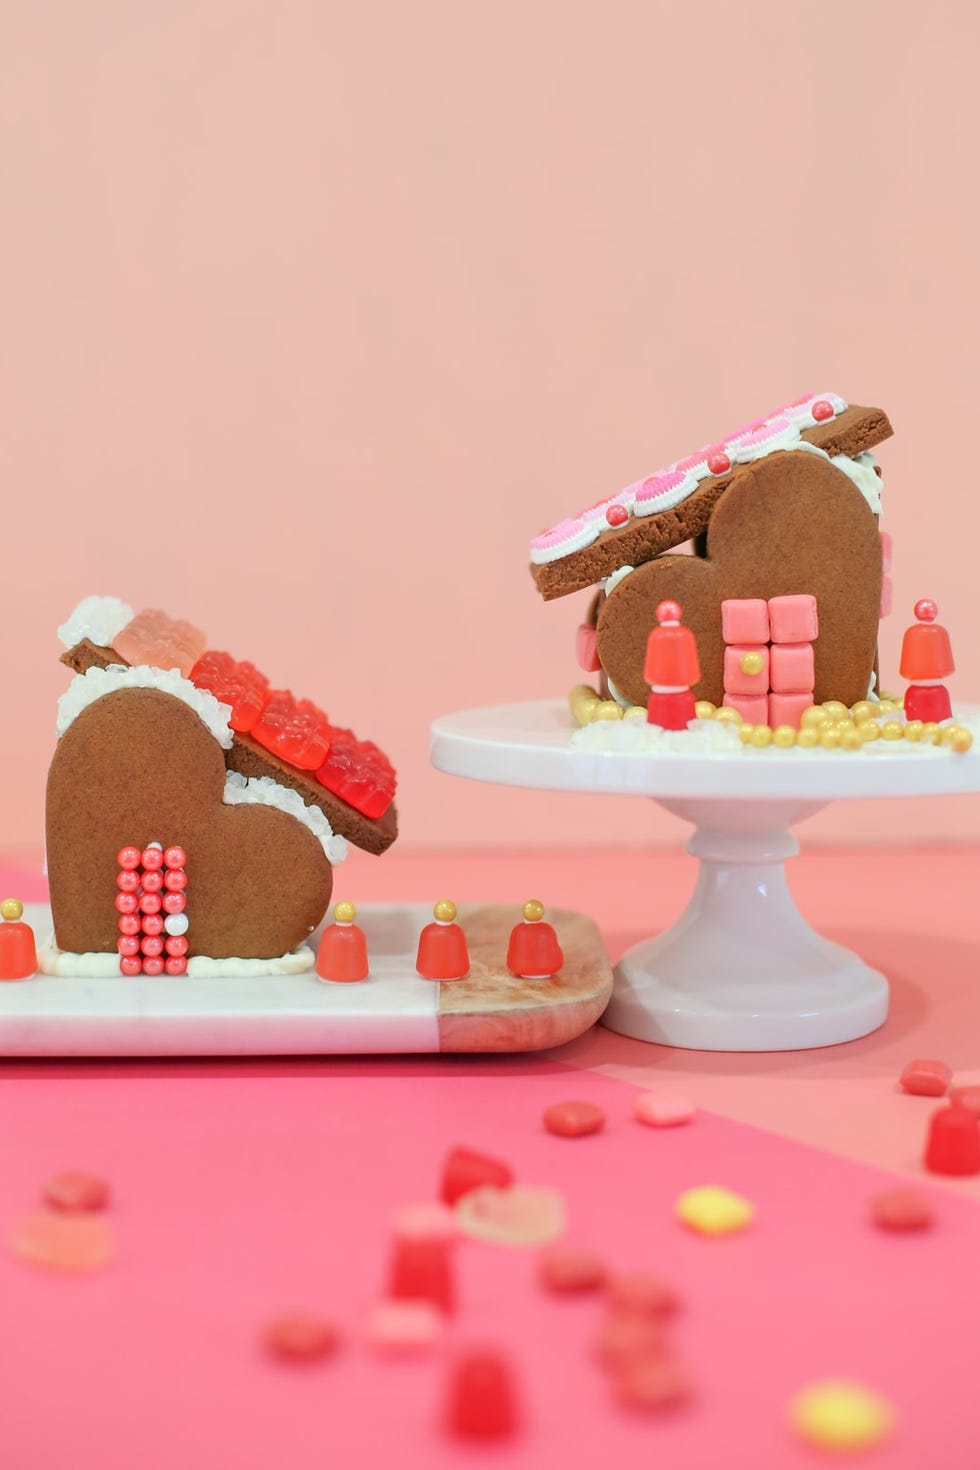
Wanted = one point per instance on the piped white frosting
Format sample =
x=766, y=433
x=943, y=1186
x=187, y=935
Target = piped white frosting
x=100, y=619
x=95, y=684
x=263, y=791
x=93, y=966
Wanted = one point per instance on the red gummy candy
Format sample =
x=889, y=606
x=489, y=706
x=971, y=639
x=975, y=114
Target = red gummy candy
x=300, y=1338
x=637, y=1291
x=953, y=1145
x=926, y=1077
x=465, y=1169
x=482, y=1403
x=653, y=1383
x=573, y=1119
x=901, y=1209
x=233, y=682
x=154, y=638
x=293, y=729
x=422, y=1270
x=570, y=1268
x=359, y=773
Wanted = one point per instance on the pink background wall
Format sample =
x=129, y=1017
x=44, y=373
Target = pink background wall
x=313, y=313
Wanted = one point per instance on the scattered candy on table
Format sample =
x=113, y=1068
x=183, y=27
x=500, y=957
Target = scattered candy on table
x=838, y=1415
x=640, y=1291
x=653, y=1382
x=76, y=1193
x=301, y=1338
x=953, y=1142
x=442, y=952
x=421, y=1270
x=926, y=1077
x=712, y=1210
x=573, y=1119
x=533, y=952
x=64, y=1242
x=402, y=1327
x=662, y=1109
x=571, y=1268
x=626, y=1337
x=968, y=1097
x=901, y=1209
x=520, y=1215
x=342, y=956
x=427, y=1220
x=482, y=1402
x=18, y=955
x=466, y=1169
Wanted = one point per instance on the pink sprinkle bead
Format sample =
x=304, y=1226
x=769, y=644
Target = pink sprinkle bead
x=404, y=1326
x=152, y=965
x=128, y=944
x=128, y=857
x=176, y=965
x=149, y=903
x=131, y=965
x=152, y=881
x=151, y=859
x=127, y=881
x=175, y=857
x=175, y=880
x=174, y=903
x=176, y=945
x=129, y=924
x=152, y=924
x=127, y=903
x=152, y=945
x=663, y=1109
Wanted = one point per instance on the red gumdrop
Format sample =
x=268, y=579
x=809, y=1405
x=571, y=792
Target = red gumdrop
x=901, y=1209
x=299, y=1338
x=968, y=1097
x=465, y=1169
x=422, y=1270
x=926, y=1077
x=573, y=1119
x=482, y=1402
x=953, y=1143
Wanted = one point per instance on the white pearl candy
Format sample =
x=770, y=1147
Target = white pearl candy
x=176, y=923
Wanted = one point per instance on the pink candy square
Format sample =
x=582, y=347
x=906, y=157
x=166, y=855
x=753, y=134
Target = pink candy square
x=754, y=710
x=745, y=620
x=886, y=596
x=739, y=682
x=793, y=619
x=786, y=709
x=791, y=668
x=585, y=648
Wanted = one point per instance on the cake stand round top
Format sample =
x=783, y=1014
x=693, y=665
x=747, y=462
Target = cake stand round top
x=531, y=745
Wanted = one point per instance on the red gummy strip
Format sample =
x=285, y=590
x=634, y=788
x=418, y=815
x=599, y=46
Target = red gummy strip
x=299, y=1338
x=76, y=1193
x=926, y=1077
x=465, y=1170
x=573, y=1119
x=234, y=682
x=359, y=773
x=293, y=729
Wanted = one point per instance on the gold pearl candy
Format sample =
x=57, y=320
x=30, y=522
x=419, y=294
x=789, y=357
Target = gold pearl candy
x=863, y=710
x=830, y=739
x=893, y=699
x=928, y=732
x=808, y=737
x=607, y=709
x=913, y=730
x=704, y=709
x=887, y=706
x=751, y=663
x=813, y=716
x=891, y=730
x=582, y=702
x=963, y=740
x=948, y=734
x=728, y=716
x=761, y=737
x=850, y=739
x=868, y=730
x=745, y=733
x=11, y=908
x=445, y=910
x=784, y=736
x=344, y=912
x=836, y=709
x=533, y=910
x=635, y=712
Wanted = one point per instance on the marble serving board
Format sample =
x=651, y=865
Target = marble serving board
x=394, y=1010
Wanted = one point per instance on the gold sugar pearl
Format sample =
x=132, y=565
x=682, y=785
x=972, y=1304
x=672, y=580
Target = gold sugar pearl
x=635, y=712
x=784, y=736
x=913, y=730
x=830, y=739
x=344, y=912
x=928, y=732
x=850, y=739
x=607, y=709
x=751, y=663
x=761, y=737
x=11, y=908
x=808, y=737
x=867, y=730
x=949, y=733
x=745, y=733
x=704, y=709
x=836, y=709
x=893, y=699
x=444, y=910
x=962, y=740
x=728, y=716
x=582, y=701
x=533, y=910
x=813, y=716
x=865, y=709
x=891, y=730
x=888, y=706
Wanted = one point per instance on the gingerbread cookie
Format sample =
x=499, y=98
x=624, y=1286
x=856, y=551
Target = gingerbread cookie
x=789, y=523
x=675, y=505
x=139, y=766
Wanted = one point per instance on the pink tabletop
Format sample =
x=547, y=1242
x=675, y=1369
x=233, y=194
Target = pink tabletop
x=243, y=1189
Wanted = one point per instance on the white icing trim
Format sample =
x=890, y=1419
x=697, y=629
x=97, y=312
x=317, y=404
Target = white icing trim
x=620, y=699
x=95, y=684
x=92, y=966
x=862, y=472
x=613, y=580
x=263, y=791
x=100, y=619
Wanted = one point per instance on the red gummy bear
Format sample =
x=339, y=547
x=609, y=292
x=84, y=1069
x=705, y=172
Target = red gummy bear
x=235, y=682
x=295, y=730
x=359, y=773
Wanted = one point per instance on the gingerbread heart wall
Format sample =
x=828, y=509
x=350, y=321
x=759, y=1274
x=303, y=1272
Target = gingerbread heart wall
x=789, y=523
x=138, y=766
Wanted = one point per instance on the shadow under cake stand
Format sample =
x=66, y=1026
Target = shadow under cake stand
x=741, y=969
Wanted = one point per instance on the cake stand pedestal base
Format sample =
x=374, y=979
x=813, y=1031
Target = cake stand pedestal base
x=741, y=969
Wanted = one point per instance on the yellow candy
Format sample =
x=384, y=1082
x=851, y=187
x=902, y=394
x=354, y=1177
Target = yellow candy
x=868, y=730
x=913, y=730
x=533, y=910
x=751, y=663
x=445, y=910
x=928, y=732
x=893, y=699
x=11, y=908
x=949, y=733
x=582, y=702
x=888, y=704
x=344, y=912
x=814, y=715
x=836, y=710
x=761, y=736
x=607, y=709
x=830, y=739
x=784, y=736
x=865, y=709
x=635, y=712
x=841, y=1416
x=891, y=730
x=850, y=739
x=745, y=733
x=962, y=742
x=808, y=737
x=704, y=709
x=728, y=716
x=711, y=1210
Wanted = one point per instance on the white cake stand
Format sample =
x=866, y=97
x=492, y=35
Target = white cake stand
x=740, y=970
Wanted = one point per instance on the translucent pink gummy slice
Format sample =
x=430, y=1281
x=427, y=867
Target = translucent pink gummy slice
x=162, y=642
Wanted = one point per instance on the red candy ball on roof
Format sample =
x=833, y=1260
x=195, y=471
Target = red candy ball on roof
x=822, y=410
x=719, y=462
x=617, y=515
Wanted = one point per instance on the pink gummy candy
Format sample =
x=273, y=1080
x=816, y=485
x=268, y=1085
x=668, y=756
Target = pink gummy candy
x=162, y=642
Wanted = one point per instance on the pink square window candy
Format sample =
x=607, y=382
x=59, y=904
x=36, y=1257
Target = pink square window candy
x=786, y=709
x=793, y=619
x=739, y=680
x=745, y=620
x=791, y=668
x=754, y=709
